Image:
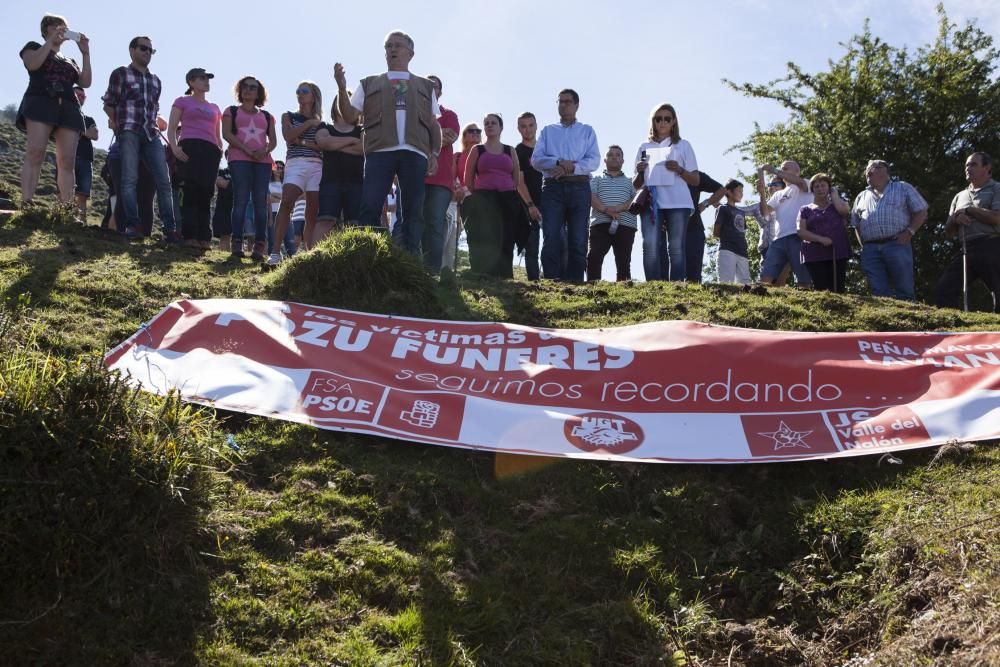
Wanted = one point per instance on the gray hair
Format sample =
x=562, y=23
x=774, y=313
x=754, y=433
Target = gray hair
x=878, y=163
x=402, y=35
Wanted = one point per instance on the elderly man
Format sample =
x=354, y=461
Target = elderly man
x=784, y=205
x=566, y=153
x=975, y=213
x=401, y=136
x=887, y=214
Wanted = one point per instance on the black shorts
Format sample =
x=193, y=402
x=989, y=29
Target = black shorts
x=56, y=111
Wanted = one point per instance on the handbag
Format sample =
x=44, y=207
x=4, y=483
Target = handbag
x=640, y=202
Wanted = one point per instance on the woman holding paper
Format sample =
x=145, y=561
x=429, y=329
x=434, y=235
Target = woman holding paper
x=666, y=165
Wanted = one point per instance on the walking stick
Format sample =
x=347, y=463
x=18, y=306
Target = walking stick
x=965, y=270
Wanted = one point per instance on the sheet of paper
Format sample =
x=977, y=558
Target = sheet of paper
x=656, y=173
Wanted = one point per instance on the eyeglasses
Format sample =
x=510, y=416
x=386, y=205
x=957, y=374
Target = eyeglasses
x=304, y=90
x=144, y=48
x=663, y=119
x=249, y=86
x=476, y=131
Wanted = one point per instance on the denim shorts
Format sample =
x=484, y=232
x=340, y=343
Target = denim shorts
x=339, y=200
x=84, y=176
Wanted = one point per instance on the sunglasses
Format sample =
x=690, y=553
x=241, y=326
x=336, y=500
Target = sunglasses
x=473, y=131
x=663, y=119
x=304, y=90
x=249, y=86
x=144, y=48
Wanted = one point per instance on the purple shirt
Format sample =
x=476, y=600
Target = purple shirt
x=135, y=97
x=824, y=222
x=495, y=172
x=199, y=120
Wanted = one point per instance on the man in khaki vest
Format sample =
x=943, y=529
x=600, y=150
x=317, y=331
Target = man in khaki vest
x=401, y=136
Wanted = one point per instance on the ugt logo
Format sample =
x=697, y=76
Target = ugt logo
x=605, y=431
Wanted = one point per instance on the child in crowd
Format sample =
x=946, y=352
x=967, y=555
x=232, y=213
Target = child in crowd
x=730, y=229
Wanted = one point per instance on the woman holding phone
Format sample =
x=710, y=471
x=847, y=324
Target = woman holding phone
x=666, y=165
x=50, y=108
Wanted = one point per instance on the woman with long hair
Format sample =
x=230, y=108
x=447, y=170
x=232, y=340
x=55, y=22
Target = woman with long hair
x=495, y=212
x=303, y=162
x=666, y=165
x=249, y=131
x=194, y=133
x=343, y=173
x=822, y=226
x=49, y=107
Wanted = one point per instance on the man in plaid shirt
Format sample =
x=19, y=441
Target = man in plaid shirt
x=888, y=213
x=132, y=103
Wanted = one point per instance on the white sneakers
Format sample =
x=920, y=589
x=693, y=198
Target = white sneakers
x=274, y=259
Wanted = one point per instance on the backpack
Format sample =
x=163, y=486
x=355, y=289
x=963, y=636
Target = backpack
x=232, y=120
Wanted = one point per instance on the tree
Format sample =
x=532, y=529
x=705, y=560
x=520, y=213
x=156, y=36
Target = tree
x=8, y=114
x=922, y=111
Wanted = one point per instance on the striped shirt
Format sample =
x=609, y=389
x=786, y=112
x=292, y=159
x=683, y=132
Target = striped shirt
x=612, y=191
x=135, y=97
x=297, y=150
x=884, y=217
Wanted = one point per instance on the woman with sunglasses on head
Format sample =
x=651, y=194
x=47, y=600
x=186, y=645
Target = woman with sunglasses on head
x=666, y=165
x=194, y=133
x=496, y=214
x=303, y=162
x=343, y=173
x=249, y=130
x=49, y=107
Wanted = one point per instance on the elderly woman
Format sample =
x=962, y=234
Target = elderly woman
x=823, y=230
x=50, y=108
x=495, y=212
x=666, y=165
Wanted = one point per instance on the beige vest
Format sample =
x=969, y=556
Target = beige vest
x=379, y=130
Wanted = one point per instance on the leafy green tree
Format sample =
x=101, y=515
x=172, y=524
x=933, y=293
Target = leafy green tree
x=923, y=111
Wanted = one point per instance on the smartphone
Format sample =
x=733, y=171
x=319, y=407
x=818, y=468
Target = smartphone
x=73, y=35
x=642, y=156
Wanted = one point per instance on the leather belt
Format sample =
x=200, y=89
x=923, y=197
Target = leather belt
x=568, y=179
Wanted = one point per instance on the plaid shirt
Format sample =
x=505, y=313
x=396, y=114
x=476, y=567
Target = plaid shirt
x=135, y=97
x=884, y=217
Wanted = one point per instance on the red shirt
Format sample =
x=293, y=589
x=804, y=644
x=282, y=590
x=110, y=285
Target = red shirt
x=445, y=174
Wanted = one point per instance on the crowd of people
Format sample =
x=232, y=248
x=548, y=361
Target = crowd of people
x=390, y=137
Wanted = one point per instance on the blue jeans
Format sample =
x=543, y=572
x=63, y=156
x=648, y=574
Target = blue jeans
x=675, y=220
x=411, y=170
x=565, y=206
x=436, y=200
x=654, y=243
x=339, y=200
x=289, y=240
x=250, y=179
x=133, y=148
x=889, y=269
x=786, y=250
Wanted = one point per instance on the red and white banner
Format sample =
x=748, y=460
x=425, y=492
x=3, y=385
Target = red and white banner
x=660, y=392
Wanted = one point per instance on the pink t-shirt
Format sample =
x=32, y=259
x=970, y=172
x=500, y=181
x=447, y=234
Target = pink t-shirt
x=445, y=174
x=199, y=120
x=494, y=172
x=251, y=130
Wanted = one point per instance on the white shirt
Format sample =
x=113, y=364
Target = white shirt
x=671, y=190
x=786, y=204
x=398, y=80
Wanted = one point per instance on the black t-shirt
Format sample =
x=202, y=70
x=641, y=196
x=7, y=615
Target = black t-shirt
x=56, y=76
x=732, y=229
x=85, y=147
x=340, y=167
x=532, y=177
x=705, y=184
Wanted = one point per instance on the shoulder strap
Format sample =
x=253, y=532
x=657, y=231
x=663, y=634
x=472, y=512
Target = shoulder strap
x=480, y=149
x=268, y=120
x=506, y=150
x=232, y=119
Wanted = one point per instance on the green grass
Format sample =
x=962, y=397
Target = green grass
x=131, y=533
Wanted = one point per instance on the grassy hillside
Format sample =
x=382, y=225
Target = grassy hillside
x=12, y=157
x=137, y=530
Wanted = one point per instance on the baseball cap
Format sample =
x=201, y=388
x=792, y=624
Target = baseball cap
x=198, y=71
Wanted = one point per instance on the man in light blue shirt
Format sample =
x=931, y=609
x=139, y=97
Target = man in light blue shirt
x=566, y=153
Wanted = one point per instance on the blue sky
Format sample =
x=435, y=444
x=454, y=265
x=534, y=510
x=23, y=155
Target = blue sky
x=507, y=56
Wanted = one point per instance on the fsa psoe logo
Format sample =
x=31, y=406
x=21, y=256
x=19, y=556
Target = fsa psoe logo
x=604, y=431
